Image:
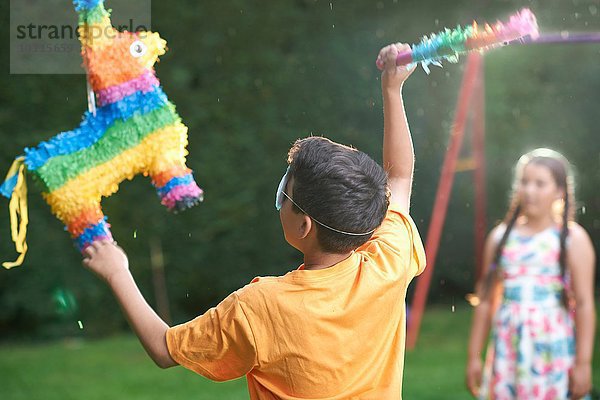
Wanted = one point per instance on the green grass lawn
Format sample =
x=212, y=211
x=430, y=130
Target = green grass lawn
x=118, y=368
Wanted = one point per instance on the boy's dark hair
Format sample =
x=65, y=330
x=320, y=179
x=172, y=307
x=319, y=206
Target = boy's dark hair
x=340, y=187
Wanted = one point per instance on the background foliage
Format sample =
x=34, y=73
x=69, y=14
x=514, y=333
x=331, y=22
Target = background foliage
x=249, y=78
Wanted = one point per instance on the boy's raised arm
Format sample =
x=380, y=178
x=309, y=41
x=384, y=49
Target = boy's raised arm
x=398, y=154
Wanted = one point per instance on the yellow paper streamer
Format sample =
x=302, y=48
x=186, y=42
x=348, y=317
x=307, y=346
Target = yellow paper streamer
x=18, y=211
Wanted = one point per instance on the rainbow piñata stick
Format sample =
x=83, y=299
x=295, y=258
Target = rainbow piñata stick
x=448, y=44
x=134, y=130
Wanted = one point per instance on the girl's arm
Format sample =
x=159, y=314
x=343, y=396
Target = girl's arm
x=480, y=328
x=581, y=261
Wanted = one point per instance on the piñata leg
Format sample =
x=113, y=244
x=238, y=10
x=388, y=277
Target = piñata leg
x=89, y=226
x=176, y=187
x=172, y=179
x=83, y=218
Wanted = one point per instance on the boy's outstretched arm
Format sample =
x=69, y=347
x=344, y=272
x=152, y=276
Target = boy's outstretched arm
x=398, y=154
x=109, y=262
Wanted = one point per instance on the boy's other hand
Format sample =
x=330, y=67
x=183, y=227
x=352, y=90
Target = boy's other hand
x=393, y=76
x=106, y=259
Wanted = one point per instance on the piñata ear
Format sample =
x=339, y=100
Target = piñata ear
x=95, y=28
x=81, y=5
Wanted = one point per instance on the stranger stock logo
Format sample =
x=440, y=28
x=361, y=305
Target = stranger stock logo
x=44, y=38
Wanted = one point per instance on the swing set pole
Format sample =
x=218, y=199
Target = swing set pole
x=470, y=78
x=479, y=172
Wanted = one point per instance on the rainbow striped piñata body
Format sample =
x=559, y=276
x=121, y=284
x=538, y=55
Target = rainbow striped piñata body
x=134, y=130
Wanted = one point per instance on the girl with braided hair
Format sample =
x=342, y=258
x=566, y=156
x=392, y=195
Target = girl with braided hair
x=536, y=292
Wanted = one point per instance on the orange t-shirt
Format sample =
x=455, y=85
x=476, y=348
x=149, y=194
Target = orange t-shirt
x=334, y=333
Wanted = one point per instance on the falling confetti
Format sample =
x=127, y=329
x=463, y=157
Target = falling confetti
x=64, y=301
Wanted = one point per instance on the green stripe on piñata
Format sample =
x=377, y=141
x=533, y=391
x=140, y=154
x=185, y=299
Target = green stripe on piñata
x=121, y=136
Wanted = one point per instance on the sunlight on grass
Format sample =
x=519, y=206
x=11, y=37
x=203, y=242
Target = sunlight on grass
x=113, y=368
x=118, y=368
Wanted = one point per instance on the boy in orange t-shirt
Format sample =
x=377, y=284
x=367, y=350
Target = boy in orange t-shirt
x=335, y=327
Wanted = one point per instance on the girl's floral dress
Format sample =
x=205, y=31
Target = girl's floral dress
x=533, y=341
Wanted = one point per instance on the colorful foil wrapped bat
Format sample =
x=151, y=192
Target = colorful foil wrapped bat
x=134, y=130
x=449, y=44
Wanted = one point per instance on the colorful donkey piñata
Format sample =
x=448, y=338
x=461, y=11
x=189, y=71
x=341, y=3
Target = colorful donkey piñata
x=134, y=130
